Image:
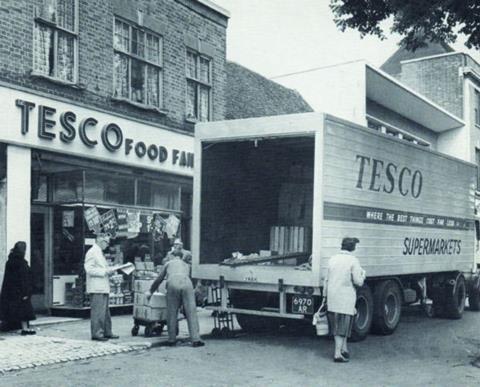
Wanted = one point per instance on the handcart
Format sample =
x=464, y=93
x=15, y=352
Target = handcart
x=152, y=328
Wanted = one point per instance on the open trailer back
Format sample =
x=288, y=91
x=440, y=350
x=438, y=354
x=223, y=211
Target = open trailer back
x=274, y=196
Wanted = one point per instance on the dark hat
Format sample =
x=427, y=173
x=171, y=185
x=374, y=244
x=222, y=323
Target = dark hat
x=349, y=243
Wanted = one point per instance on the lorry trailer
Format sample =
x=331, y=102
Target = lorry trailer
x=275, y=196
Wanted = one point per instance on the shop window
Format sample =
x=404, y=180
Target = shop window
x=164, y=196
x=137, y=65
x=67, y=187
x=384, y=128
x=39, y=187
x=103, y=188
x=55, y=40
x=199, y=85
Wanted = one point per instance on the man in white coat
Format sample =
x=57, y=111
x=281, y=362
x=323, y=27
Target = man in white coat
x=98, y=286
x=344, y=274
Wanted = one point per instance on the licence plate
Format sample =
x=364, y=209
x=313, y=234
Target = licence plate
x=302, y=304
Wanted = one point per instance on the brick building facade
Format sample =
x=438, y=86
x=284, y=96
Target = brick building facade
x=450, y=79
x=98, y=102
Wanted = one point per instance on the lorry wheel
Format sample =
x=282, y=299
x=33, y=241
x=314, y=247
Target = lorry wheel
x=363, y=319
x=387, y=307
x=474, y=296
x=253, y=324
x=455, y=298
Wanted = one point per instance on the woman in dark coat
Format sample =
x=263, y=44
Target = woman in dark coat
x=15, y=304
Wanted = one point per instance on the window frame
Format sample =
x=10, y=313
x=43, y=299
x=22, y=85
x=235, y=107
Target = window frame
x=476, y=106
x=129, y=55
x=39, y=20
x=387, y=129
x=198, y=84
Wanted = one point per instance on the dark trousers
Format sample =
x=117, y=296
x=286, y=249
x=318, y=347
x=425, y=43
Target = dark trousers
x=100, y=321
x=180, y=292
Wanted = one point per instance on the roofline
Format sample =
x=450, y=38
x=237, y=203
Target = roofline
x=432, y=57
x=215, y=7
x=415, y=94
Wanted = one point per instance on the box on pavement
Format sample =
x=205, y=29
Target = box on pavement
x=149, y=266
x=158, y=300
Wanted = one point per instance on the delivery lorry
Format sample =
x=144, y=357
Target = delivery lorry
x=275, y=196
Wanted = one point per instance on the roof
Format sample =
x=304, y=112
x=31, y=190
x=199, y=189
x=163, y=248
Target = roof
x=393, y=66
x=250, y=94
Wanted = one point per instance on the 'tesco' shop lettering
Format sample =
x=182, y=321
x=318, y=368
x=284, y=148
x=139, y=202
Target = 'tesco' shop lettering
x=388, y=177
x=111, y=135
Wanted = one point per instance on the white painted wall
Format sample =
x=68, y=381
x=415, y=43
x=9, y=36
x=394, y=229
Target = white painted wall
x=339, y=90
x=455, y=143
x=18, y=196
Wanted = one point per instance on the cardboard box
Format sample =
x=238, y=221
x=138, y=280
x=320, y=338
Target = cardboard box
x=142, y=285
x=140, y=299
x=139, y=265
x=155, y=314
x=158, y=300
x=139, y=311
x=149, y=266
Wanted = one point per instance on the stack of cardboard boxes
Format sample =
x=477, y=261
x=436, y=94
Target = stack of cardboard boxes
x=144, y=309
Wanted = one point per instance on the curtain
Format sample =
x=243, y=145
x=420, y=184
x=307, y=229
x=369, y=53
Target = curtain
x=43, y=50
x=65, y=57
x=204, y=103
x=153, y=82
x=120, y=86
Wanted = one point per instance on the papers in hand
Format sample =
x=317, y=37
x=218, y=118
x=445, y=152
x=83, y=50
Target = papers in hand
x=127, y=268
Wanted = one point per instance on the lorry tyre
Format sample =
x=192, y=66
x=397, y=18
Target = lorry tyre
x=474, y=295
x=455, y=295
x=387, y=307
x=362, y=321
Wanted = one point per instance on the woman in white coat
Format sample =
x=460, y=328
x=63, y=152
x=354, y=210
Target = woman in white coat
x=344, y=274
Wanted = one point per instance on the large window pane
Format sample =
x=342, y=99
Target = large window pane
x=43, y=50
x=66, y=14
x=47, y=11
x=191, y=100
x=205, y=70
x=138, y=43
x=166, y=196
x=65, y=57
x=204, y=103
x=121, y=39
x=153, y=84
x=67, y=187
x=120, y=76
x=104, y=188
x=191, y=65
x=138, y=81
x=153, y=49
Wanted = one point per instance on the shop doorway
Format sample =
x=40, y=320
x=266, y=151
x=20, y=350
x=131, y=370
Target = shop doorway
x=40, y=253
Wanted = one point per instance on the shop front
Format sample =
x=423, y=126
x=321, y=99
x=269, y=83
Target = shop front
x=70, y=173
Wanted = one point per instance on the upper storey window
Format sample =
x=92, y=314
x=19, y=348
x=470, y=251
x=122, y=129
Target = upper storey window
x=55, y=40
x=199, y=87
x=137, y=65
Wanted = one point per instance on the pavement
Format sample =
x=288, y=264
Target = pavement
x=60, y=340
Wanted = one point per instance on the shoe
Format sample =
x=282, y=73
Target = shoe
x=171, y=343
x=28, y=332
x=112, y=337
x=346, y=355
x=340, y=360
x=99, y=339
x=196, y=344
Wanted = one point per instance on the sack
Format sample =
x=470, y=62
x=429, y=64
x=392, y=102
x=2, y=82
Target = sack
x=320, y=320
